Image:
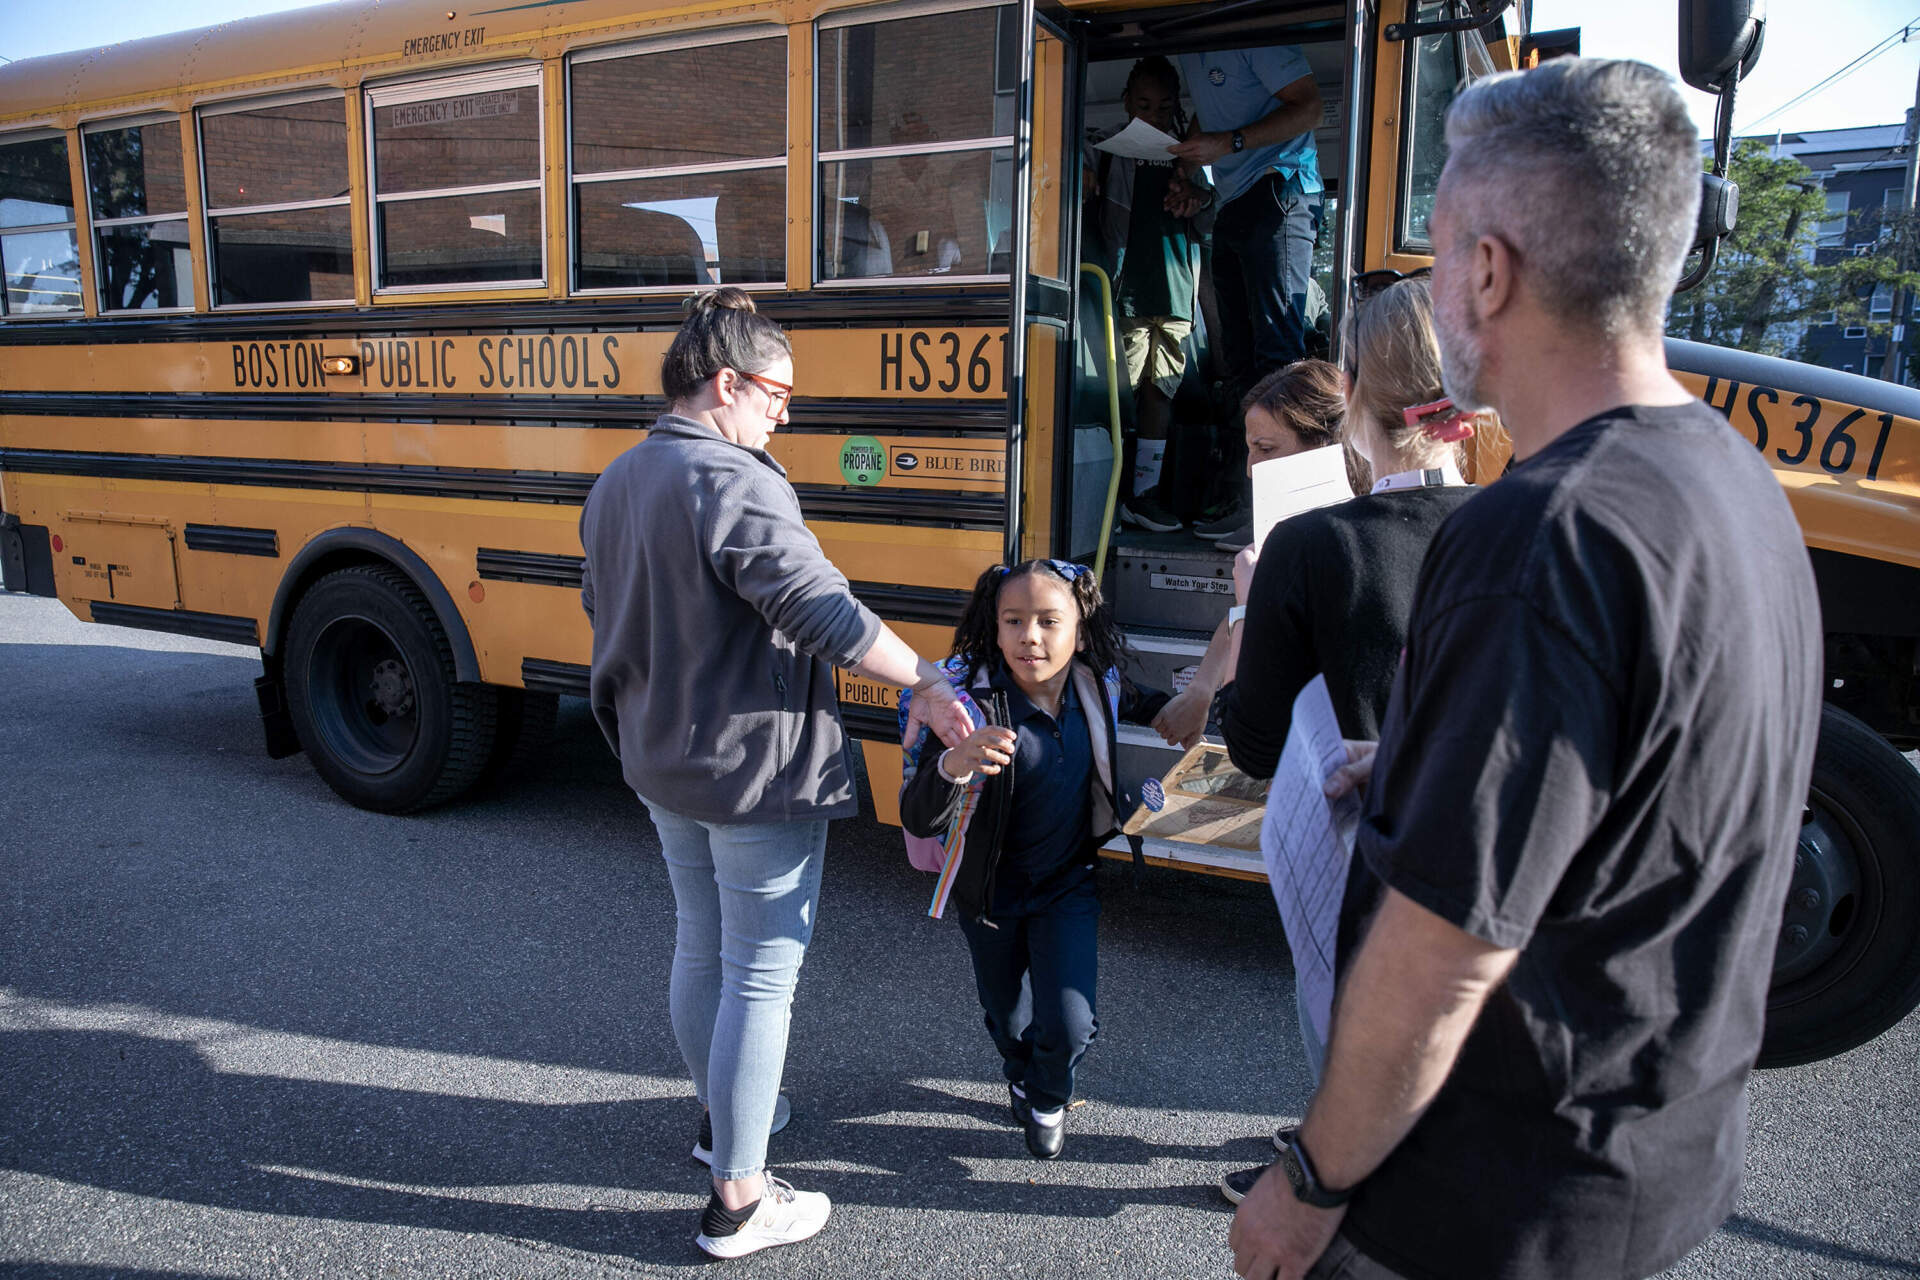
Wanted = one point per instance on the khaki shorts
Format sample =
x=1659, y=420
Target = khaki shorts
x=1153, y=350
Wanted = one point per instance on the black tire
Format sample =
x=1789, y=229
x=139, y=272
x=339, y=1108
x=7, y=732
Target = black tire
x=371, y=687
x=1848, y=962
x=523, y=738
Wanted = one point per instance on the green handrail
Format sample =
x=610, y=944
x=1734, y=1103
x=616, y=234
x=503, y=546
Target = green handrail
x=1113, y=408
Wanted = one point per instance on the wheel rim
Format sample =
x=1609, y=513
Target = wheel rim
x=1827, y=921
x=365, y=701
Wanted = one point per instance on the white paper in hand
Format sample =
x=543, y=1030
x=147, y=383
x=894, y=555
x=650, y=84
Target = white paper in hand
x=1284, y=487
x=1140, y=141
x=1307, y=841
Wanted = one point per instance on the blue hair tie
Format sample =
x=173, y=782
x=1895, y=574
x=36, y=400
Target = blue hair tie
x=1067, y=569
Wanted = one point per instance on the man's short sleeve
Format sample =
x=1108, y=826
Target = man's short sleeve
x=1494, y=769
x=1278, y=66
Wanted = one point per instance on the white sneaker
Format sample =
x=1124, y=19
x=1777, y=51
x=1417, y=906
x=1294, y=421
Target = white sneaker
x=703, y=1145
x=783, y=1216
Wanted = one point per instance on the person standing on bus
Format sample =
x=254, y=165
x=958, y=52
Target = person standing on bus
x=717, y=622
x=1588, y=787
x=1144, y=220
x=1257, y=110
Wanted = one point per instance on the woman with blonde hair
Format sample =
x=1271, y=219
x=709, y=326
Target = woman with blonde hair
x=1331, y=591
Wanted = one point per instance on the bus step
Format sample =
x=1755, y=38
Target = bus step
x=1186, y=587
x=1213, y=859
x=1164, y=659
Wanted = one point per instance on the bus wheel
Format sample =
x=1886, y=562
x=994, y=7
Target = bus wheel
x=524, y=738
x=1847, y=964
x=370, y=685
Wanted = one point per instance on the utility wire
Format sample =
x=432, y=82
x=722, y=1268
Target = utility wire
x=1898, y=36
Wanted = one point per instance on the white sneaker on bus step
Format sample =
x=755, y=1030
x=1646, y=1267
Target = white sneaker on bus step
x=703, y=1145
x=783, y=1216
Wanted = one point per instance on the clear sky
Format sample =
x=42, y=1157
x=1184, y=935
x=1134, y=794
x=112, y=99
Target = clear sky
x=1806, y=41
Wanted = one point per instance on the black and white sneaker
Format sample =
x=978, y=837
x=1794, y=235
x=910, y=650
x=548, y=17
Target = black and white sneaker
x=1237, y=1184
x=1283, y=1137
x=1145, y=511
x=703, y=1145
x=783, y=1216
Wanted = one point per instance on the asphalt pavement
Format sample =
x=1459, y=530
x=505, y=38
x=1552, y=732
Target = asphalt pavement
x=248, y=1030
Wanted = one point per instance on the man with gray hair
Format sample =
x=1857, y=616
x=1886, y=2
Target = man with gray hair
x=1585, y=799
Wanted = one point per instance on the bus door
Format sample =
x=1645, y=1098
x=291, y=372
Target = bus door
x=942, y=130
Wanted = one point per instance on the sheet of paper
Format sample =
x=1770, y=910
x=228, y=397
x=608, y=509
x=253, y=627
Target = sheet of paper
x=1140, y=141
x=1308, y=843
x=1284, y=487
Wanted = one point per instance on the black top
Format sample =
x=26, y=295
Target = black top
x=1597, y=754
x=1331, y=593
x=1050, y=820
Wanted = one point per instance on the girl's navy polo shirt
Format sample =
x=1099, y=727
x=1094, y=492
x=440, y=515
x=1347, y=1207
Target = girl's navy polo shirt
x=1044, y=852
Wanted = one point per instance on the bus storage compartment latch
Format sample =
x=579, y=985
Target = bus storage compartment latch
x=275, y=719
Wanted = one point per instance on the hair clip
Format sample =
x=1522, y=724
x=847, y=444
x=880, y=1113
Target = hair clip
x=1439, y=420
x=1067, y=569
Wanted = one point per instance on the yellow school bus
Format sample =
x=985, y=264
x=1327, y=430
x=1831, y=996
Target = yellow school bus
x=317, y=329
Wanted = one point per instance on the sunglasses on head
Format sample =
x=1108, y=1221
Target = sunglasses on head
x=1363, y=288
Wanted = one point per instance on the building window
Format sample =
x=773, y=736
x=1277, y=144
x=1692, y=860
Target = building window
x=1833, y=228
x=456, y=167
x=1881, y=306
x=915, y=132
x=1854, y=331
x=39, y=249
x=137, y=188
x=278, y=222
x=673, y=188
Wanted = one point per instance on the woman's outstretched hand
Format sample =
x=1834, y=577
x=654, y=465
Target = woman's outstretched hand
x=938, y=708
x=1184, y=719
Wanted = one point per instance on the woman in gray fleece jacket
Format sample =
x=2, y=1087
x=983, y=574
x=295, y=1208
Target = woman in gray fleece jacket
x=717, y=622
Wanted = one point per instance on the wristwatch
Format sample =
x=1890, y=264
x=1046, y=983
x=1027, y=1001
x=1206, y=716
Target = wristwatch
x=1239, y=141
x=1307, y=1187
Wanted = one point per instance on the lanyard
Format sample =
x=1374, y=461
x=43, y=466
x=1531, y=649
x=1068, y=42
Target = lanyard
x=1429, y=478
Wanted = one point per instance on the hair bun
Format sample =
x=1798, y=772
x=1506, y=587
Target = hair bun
x=726, y=298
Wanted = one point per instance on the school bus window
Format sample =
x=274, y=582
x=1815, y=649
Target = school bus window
x=39, y=252
x=456, y=181
x=1435, y=74
x=136, y=179
x=916, y=122
x=669, y=189
x=278, y=217
x=1438, y=68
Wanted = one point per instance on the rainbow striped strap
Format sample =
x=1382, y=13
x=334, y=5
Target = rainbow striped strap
x=950, y=860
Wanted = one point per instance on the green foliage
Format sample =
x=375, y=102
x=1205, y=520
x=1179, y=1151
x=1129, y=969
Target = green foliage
x=1772, y=281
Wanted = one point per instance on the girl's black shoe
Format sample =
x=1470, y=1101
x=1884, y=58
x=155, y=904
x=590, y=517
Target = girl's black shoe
x=1044, y=1138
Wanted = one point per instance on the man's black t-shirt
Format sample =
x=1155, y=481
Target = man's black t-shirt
x=1596, y=753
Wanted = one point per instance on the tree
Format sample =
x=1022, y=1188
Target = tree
x=1773, y=280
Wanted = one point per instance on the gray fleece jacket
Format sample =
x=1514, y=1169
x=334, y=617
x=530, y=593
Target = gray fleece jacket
x=717, y=621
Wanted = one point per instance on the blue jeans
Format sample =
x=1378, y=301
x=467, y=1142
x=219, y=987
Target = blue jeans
x=1036, y=976
x=1262, y=263
x=746, y=896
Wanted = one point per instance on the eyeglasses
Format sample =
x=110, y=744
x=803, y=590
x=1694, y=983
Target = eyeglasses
x=1366, y=284
x=779, y=394
x=1363, y=288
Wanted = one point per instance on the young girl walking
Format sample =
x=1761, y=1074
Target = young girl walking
x=1018, y=811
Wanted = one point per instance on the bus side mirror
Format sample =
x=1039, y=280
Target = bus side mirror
x=1720, y=41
